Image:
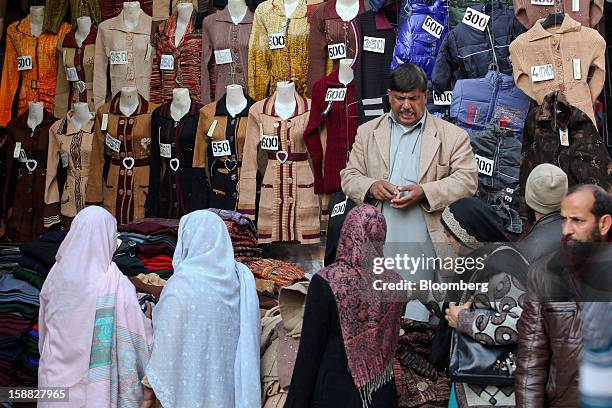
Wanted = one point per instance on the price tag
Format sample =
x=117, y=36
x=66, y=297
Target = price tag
x=17, y=150
x=118, y=58
x=338, y=209
x=543, y=3
x=104, y=124
x=64, y=157
x=433, y=27
x=24, y=63
x=221, y=148
x=149, y=52
x=374, y=44
x=443, y=99
x=485, y=166
x=542, y=73
x=335, y=94
x=112, y=143
x=577, y=70
x=268, y=142
x=165, y=150
x=211, y=129
x=276, y=41
x=575, y=6
x=23, y=157
x=71, y=74
x=475, y=19
x=166, y=62
x=336, y=51
x=564, y=137
x=223, y=56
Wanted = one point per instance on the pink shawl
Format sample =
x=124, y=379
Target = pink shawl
x=93, y=336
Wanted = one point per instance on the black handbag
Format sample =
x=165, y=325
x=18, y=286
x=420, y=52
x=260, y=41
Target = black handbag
x=473, y=362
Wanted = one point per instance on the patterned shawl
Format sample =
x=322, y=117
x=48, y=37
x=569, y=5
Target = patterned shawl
x=369, y=319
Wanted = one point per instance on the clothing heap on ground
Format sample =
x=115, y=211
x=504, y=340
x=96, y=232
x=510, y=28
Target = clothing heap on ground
x=243, y=235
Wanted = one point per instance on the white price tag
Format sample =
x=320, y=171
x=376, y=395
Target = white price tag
x=443, y=99
x=64, y=157
x=268, y=142
x=112, y=143
x=24, y=63
x=276, y=41
x=221, y=148
x=475, y=19
x=118, y=58
x=374, y=44
x=542, y=73
x=165, y=150
x=149, y=52
x=104, y=124
x=23, y=157
x=166, y=62
x=335, y=94
x=543, y=3
x=577, y=70
x=336, y=51
x=211, y=129
x=485, y=166
x=223, y=56
x=564, y=137
x=575, y=6
x=433, y=27
x=71, y=74
x=338, y=209
x=17, y=150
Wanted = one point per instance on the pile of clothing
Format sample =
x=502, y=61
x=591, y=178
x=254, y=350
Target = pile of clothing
x=38, y=258
x=280, y=272
x=147, y=246
x=242, y=233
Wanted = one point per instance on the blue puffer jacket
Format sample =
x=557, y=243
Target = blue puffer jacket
x=478, y=102
x=416, y=45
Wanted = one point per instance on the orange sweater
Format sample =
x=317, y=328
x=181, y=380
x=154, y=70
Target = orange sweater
x=39, y=56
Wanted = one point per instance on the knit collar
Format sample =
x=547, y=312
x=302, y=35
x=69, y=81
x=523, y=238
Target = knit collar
x=143, y=27
x=537, y=32
x=69, y=129
x=279, y=8
x=225, y=16
x=48, y=118
x=332, y=80
x=170, y=29
x=71, y=42
x=301, y=105
x=221, y=107
x=143, y=105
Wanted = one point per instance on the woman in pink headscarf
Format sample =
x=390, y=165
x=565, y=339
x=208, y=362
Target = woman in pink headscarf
x=94, y=337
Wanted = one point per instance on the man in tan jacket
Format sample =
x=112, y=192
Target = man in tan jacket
x=409, y=163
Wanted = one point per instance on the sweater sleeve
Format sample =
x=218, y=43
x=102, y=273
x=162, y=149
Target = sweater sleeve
x=207, y=50
x=151, y=209
x=100, y=69
x=62, y=87
x=441, y=74
x=313, y=340
x=597, y=70
x=95, y=182
x=316, y=48
x=520, y=73
x=200, y=159
x=259, y=59
x=247, y=187
x=52, y=196
x=10, y=80
x=312, y=135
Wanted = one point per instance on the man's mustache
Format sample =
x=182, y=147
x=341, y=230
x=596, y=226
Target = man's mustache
x=404, y=110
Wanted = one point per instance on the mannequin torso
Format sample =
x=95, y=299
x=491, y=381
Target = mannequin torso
x=237, y=9
x=181, y=103
x=290, y=6
x=83, y=28
x=235, y=102
x=128, y=102
x=284, y=104
x=184, y=16
x=80, y=115
x=347, y=9
x=35, y=114
x=131, y=14
x=37, y=16
x=345, y=71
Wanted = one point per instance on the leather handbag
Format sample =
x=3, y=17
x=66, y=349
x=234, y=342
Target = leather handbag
x=473, y=362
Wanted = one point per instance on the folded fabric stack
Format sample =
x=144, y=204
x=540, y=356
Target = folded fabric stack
x=19, y=303
x=242, y=233
x=38, y=258
x=280, y=272
x=147, y=246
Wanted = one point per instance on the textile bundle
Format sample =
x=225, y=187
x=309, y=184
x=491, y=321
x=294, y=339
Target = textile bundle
x=280, y=272
x=243, y=235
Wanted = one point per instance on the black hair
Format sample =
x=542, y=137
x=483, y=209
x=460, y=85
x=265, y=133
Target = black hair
x=603, y=203
x=407, y=78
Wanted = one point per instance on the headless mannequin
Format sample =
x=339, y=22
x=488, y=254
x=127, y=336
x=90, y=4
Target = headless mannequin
x=128, y=102
x=37, y=16
x=237, y=10
x=290, y=6
x=235, y=102
x=184, y=16
x=347, y=9
x=284, y=104
x=83, y=29
x=80, y=115
x=345, y=71
x=131, y=14
x=181, y=103
x=35, y=114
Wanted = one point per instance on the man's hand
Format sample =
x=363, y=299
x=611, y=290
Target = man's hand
x=382, y=190
x=149, y=398
x=452, y=313
x=414, y=194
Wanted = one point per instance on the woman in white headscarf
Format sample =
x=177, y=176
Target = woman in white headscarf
x=207, y=327
x=94, y=337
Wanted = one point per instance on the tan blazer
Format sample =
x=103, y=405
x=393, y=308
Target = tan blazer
x=447, y=168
